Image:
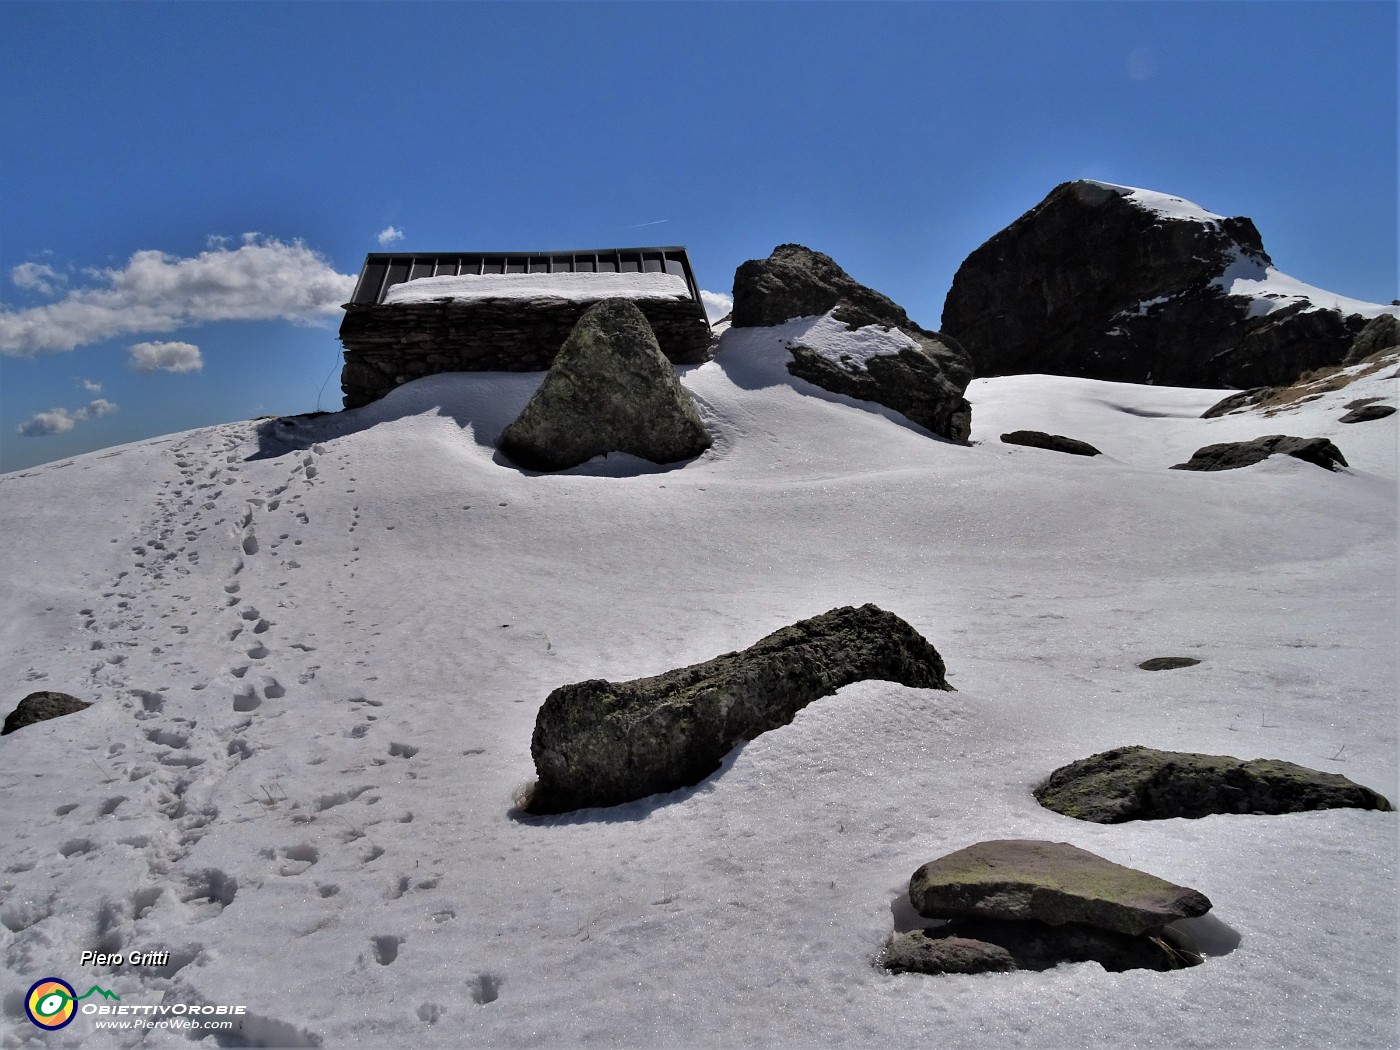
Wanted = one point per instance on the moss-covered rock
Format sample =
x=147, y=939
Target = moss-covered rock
x=600, y=743
x=610, y=389
x=1049, y=882
x=1141, y=783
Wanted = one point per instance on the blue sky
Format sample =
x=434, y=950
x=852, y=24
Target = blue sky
x=181, y=184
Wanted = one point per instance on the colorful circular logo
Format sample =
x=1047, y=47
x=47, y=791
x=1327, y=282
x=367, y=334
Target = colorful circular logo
x=50, y=1003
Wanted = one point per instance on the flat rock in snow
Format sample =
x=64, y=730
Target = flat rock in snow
x=1142, y=783
x=1050, y=442
x=1050, y=882
x=1231, y=455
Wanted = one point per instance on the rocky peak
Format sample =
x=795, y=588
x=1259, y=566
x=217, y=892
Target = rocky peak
x=1126, y=284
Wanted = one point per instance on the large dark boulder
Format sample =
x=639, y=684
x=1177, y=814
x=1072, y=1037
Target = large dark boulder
x=922, y=375
x=40, y=707
x=1141, y=783
x=795, y=281
x=599, y=743
x=610, y=389
x=1049, y=882
x=1108, y=282
x=1231, y=455
x=1050, y=442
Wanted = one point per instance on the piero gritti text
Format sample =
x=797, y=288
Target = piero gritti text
x=129, y=959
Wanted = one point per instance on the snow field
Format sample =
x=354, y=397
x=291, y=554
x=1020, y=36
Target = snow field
x=316, y=659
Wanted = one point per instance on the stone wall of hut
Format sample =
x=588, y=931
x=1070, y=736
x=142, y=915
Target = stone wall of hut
x=386, y=346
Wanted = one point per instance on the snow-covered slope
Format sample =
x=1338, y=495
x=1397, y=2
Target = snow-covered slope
x=315, y=658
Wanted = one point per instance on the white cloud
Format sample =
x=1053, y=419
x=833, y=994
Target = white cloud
x=165, y=357
x=62, y=420
x=262, y=280
x=717, y=304
x=38, y=277
x=42, y=424
x=389, y=235
x=90, y=386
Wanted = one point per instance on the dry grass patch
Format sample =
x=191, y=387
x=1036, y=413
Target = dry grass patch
x=1312, y=385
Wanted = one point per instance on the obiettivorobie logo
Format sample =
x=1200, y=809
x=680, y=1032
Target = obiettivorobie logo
x=52, y=1003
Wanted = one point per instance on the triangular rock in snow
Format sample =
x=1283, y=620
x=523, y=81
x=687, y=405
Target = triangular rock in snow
x=610, y=389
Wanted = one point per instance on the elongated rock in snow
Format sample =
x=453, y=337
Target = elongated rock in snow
x=600, y=743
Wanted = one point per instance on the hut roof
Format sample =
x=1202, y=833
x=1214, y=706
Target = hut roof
x=520, y=270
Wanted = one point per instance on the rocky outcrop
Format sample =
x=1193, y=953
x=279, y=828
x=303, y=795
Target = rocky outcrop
x=610, y=389
x=795, y=281
x=387, y=345
x=1237, y=402
x=1109, y=282
x=1381, y=333
x=1051, y=442
x=1049, y=882
x=40, y=707
x=918, y=373
x=1231, y=455
x=599, y=743
x=1141, y=783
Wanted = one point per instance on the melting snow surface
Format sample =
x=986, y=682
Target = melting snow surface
x=579, y=286
x=315, y=654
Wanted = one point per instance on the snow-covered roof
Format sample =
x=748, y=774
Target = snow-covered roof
x=384, y=272
x=576, y=286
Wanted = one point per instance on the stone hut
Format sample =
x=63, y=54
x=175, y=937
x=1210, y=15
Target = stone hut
x=414, y=315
